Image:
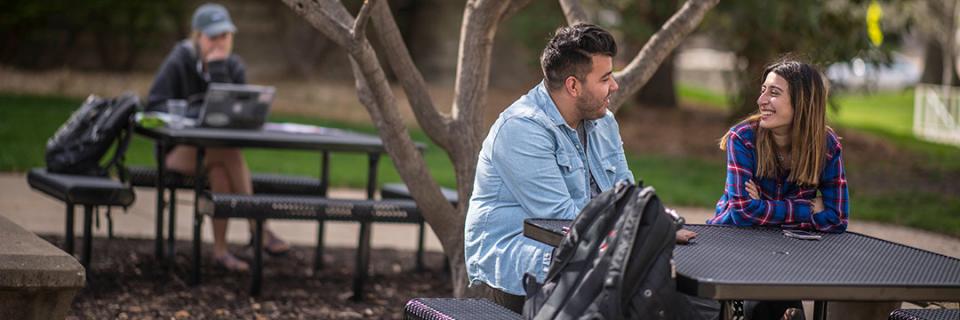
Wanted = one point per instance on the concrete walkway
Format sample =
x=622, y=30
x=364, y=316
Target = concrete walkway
x=43, y=215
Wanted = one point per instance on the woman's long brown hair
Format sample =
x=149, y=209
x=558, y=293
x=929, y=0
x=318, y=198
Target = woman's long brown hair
x=808, y=132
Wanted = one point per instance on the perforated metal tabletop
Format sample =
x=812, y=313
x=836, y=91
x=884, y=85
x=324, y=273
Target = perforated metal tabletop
x=761, y=263
x=330, y=140
x=734, y=263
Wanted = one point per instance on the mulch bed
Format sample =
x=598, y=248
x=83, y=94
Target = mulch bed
x=127, y=282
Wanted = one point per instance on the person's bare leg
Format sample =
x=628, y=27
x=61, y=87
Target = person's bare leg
x=219, y=183
x=182, y=159
x=239, y=175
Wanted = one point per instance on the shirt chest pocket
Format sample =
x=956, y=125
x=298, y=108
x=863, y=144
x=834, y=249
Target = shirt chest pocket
x=609, y=164
x=569, y=164
x=572, y=171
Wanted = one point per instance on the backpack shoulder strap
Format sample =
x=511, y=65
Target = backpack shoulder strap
x=123, y=139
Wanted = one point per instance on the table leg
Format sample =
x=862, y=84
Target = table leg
x=725, y=311
x=172, y=226
x=161, y=185
x=87, y=235
x=318, y=251
x=819, y=310
x=69, y=232
x=198, y=185
x=324, y=173
x=374, y=162
x=324, y=188
x=420, y=236
x=257, y=259
x=363, y=245
x=363, y=261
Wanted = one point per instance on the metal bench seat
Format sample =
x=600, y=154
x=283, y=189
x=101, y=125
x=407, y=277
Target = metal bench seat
x=88, y=191
x=259, y=206
x=400, y=191
x=925, y=314
x=453, y=308
x=262, y=183
x=82, y=190
x=262, y=207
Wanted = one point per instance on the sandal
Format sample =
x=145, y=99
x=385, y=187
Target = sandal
x=231, y=263
x=273, y=245
x=793, y=314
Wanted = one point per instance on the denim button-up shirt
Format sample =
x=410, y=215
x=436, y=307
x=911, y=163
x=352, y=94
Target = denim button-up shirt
x=533, y=165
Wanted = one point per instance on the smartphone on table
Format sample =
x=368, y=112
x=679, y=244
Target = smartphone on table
x=801, y=234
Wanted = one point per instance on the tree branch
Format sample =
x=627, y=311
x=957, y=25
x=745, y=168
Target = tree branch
x=574, y=12
x=360, y=24
x=636, y=74
x=515, y=6
x=480, y=21
x=375, y=93
x=434, y=123
x=331, y=18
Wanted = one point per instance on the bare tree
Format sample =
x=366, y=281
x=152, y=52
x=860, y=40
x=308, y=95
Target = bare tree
x=459, y=133
x=937, y=21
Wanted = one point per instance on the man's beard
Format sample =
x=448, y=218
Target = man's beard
x=591, y=108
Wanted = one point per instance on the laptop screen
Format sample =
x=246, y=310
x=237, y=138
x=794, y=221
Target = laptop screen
x=236, y=106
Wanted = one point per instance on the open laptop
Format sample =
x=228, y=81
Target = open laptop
x=236, y=106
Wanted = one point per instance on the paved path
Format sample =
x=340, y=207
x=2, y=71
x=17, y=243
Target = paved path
x=40, y=214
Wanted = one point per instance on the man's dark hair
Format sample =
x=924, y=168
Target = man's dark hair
x=570, y=52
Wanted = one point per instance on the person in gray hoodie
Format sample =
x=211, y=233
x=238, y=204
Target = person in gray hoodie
x=185, y=74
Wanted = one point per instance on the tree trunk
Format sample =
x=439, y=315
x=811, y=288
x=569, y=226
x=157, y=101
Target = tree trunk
x=946, y=57
x=933, y=65
x=660, y=91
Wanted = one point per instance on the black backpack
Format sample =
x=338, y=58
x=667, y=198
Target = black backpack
x=616, y=262
x=80, y=144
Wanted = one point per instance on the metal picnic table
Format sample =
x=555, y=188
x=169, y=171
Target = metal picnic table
x=759, y=263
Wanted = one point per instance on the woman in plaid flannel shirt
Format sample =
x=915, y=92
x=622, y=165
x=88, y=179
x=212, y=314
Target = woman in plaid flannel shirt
x=785, y=166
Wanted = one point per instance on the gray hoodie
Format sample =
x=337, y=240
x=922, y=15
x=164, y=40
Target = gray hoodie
x=181, y=76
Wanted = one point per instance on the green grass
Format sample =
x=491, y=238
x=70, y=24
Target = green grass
x=890, y=115
x=928, y=211
x=27, y=121
x=678, y=180
x=692, y=95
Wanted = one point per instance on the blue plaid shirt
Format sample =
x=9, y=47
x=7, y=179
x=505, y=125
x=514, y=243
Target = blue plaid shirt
x=781, y=203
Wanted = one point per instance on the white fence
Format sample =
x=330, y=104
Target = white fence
x=936, y=113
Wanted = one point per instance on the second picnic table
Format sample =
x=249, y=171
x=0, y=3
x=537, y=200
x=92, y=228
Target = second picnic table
x=273, y=136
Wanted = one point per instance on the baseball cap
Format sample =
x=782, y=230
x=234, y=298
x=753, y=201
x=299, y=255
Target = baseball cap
x=212, y=19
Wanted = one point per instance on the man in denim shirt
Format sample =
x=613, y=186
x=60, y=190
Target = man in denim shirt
x=546, y=156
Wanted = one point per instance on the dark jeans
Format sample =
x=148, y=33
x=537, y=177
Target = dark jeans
x=699, y=308
x=509, y=301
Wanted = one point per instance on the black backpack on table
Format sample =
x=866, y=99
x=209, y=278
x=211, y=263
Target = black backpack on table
x=616, y=262
x=80, y=144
